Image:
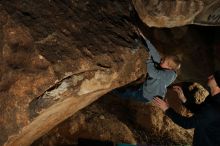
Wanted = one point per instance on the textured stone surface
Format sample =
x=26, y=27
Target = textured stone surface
x=172, y=13
x=168, y=13
x=91, y=123
x=57, y=57
x=210, y=15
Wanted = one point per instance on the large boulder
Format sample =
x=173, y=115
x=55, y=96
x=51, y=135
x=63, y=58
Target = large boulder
x=172, y=13
x=54, y=62
x=93, y=122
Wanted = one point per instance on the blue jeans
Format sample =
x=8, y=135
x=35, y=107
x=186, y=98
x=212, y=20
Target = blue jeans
x=131, y=93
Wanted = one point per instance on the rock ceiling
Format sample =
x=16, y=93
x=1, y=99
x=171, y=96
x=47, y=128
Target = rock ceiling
x=172, y=13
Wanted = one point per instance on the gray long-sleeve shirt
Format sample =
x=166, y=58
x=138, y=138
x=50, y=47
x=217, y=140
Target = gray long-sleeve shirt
x=158, y=79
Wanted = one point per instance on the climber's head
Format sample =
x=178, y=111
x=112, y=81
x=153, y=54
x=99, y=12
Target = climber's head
x=171, y=62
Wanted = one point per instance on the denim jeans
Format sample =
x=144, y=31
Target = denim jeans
x=131, y=93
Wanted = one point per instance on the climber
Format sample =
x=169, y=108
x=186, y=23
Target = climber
x=161, y=73
x=206, y=118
